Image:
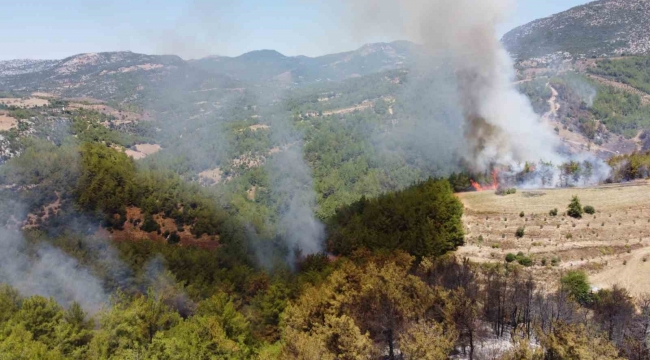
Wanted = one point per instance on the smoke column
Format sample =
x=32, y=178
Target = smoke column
x=498, y=123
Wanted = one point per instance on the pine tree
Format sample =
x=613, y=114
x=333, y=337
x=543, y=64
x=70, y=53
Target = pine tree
x=575, y=209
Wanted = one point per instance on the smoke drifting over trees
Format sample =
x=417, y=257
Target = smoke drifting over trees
x=48, y=272
x=498, y=125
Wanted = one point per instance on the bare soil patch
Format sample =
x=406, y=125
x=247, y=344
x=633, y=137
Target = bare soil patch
x=132, y=231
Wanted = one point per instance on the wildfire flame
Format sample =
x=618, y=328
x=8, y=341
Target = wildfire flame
x=493, y=186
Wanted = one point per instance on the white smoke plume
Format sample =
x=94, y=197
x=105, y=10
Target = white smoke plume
x=499, y=125
x=292, y=181
x=48, y=272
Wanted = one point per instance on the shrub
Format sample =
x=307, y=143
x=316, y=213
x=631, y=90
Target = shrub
x=525, y=261
x=480, y=238
x=504, y=191
x=575, y=209
x=520, y=232
x=496, y=246
x=553, y=212
x=511, y=257
x=173, y=238
x=543, y=261
x=521, y=214
x=589, y=210
x=149, y=224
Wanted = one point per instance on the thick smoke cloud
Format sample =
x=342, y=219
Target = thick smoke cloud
x=498, y=123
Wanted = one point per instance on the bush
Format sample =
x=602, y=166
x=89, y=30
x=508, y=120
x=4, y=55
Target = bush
x=525, y=261
x=520, y=232
x=521, y=214
x=149, y=224
x=504, y=191
x=589, y=210
x=511, y=257
x=173, y=238
x=575, y=209
x=553, y=212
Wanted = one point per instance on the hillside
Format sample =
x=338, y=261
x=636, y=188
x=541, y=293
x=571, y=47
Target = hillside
x=121, y=77
x=599, y=28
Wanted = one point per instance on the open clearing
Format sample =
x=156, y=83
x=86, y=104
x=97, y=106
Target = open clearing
x=7, y=122
x=24, y=103
x=121, y=116
x=141, y=151
x=613, y=245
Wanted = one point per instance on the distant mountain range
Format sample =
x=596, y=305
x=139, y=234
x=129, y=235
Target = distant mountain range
x=597, y=29
x=122, y=76
x=600, y=28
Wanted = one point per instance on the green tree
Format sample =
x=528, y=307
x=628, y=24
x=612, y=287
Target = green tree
x=575, y=209
x=577, y=284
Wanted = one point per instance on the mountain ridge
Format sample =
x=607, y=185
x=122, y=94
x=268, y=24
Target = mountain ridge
x=597, y=29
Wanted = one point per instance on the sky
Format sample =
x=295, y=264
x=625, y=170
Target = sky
x=55, y=29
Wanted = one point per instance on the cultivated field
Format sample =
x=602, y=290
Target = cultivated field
x=613, y=245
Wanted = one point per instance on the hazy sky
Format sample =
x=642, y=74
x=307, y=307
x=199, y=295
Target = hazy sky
x=53, y=29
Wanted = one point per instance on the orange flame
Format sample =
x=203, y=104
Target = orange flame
x=493, y=186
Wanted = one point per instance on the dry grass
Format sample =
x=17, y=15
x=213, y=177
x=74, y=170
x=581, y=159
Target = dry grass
x=24, y=103
x=599, y=244
x=7, y=122
x=143, y=150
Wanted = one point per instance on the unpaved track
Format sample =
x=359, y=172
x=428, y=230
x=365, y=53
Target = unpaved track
x=632, y=273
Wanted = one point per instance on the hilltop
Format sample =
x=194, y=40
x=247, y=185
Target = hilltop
x=600, y=28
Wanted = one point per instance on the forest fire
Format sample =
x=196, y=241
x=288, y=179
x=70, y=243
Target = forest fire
x=493, y=186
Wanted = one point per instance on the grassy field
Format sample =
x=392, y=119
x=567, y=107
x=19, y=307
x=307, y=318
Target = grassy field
x=613, y=245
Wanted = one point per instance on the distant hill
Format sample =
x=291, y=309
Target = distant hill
x=111, y=76
x=24, y=66
x=600, y=28
x=268, y=65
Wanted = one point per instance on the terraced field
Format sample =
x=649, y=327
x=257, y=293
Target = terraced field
x=613, y=245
